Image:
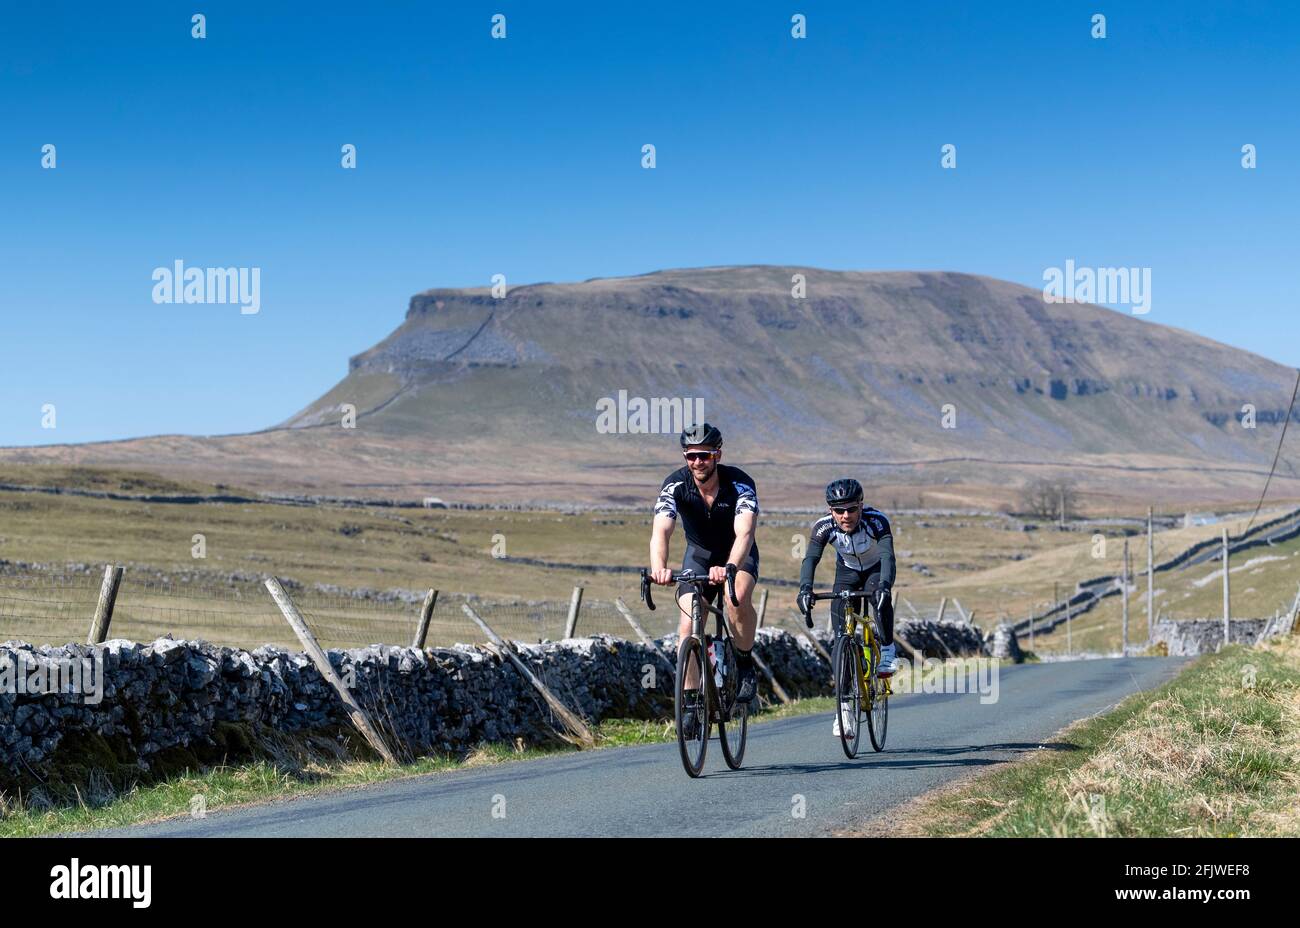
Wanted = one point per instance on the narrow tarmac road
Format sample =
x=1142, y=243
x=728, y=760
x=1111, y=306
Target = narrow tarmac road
x=796, y=780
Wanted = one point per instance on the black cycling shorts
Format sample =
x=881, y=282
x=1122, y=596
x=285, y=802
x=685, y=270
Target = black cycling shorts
x=700, y=560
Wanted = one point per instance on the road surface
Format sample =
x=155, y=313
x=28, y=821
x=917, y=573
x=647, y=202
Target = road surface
x=792, y=766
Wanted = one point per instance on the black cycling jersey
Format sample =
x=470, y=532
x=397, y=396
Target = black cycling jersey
x=868, y=548
x=713, y=528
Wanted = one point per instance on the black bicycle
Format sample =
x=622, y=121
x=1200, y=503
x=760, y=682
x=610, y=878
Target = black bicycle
x=715, y=679
x=860, y=692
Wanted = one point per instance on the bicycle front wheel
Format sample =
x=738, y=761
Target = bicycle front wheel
x=848, y=692
x=692, y=706
x=733, y=731
x=878, y=717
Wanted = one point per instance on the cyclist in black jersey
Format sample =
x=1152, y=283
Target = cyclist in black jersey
x=864, y=553
x=718, y=508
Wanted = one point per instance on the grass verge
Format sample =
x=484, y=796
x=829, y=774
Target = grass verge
x=291, y=771
x=1214, y=752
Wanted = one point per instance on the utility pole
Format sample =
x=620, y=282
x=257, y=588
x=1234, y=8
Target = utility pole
x=1226, y=638
x=1151, y=569
x=1061, y=491
x=1123, y=639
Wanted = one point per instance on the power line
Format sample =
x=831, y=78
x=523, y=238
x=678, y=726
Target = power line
x=1278, y=454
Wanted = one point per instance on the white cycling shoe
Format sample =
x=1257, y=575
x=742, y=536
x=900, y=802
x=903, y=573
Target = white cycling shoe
x=847, y=709
x=888, y=662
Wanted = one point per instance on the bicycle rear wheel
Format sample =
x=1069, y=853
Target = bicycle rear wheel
x=848, y=692
x=692, y=706
x=733, y=732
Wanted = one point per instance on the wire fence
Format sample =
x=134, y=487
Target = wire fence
x=51, y=607
x=57, y=606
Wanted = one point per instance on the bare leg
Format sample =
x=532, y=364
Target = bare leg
x=684, y=630
x=743, y=618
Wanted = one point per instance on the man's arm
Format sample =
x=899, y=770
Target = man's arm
x=660, y=531
x=888, y=564
x=808, y=570
x=745, y=525
x=811, y=558
x=879, y=529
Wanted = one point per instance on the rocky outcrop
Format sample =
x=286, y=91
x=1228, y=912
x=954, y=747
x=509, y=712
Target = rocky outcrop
x=1002, y=643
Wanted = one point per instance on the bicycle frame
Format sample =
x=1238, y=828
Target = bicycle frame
x=870, y=652
x=871, y=637
x=700, y=607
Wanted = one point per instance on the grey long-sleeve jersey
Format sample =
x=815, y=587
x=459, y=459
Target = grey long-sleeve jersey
x=869, y=544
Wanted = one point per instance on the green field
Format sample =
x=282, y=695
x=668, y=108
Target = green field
x=997, y=566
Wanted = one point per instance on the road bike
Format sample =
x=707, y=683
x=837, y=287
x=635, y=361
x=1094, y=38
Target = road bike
x=713, y=700
x=860, y=692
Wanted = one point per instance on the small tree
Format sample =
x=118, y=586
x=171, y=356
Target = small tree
x=1050, y=499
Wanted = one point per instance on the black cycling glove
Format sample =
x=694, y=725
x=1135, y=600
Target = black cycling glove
x=805, y=603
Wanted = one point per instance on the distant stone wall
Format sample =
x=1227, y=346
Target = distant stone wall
x=939, y=639
x=1184, y=637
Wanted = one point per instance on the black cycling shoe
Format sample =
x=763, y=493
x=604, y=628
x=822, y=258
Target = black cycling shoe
x=748, y=688
x=691, y=720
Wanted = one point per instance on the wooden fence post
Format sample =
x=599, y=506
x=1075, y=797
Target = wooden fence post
x=578, y=732
x=771, y=678
x=426, y=613
x=817, y=645
x=943, y=604
x=322, y=662
x=644, y=638
x=571, y=623
x=762, y=606
x=104, y=608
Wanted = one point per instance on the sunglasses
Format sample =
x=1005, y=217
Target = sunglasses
x=845, y=512
x=699, y=455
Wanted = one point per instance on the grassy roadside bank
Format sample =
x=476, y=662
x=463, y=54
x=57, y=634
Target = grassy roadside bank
x=289, y=776
x=1214, y=752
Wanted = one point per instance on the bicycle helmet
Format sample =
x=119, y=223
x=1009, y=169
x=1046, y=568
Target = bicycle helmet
x=843, y=491
x=701, y=434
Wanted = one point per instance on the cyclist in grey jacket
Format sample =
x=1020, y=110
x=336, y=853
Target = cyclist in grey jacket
x=864, y=555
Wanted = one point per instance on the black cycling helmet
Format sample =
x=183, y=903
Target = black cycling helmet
x=843, y=491
x=702, y=434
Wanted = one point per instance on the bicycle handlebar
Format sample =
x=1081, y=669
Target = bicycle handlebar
x=688, y=576
x=815, y=595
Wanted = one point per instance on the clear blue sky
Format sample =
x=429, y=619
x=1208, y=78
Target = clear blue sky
x=522, y=157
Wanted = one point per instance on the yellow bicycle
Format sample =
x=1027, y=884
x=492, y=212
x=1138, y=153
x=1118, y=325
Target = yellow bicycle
x=860, y=693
